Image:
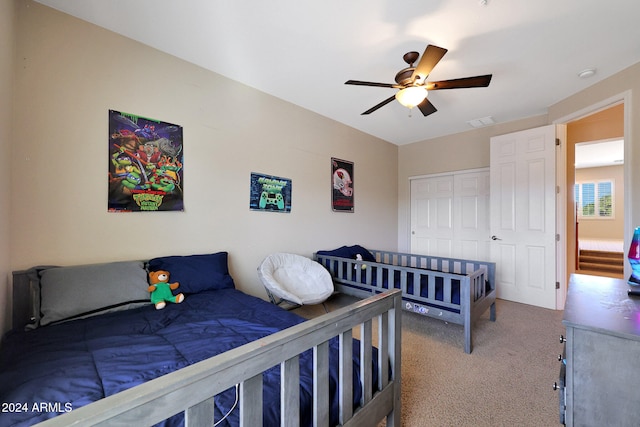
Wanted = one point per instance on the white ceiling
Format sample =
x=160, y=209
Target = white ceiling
x=303, y=52
x=599, y=153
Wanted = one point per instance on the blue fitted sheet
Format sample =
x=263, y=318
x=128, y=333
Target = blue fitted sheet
x=73, y=364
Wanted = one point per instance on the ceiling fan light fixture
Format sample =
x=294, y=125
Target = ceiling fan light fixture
x=411, y=96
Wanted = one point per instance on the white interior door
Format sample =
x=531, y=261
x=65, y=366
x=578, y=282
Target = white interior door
x=523, y=210
x=450, y=215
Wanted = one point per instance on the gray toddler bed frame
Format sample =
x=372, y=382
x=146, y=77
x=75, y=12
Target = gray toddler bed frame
x=192, y=389
x=477, y=284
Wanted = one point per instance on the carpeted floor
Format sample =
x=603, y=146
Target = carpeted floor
x=506, y=381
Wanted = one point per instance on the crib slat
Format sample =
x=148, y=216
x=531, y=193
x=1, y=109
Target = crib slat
x=200, y=414
x=416, y=283
x=320, y=384
x=465, y=298
x=251, y=401
x=383, y=356
x=403, y=279
x=432, y=286
x=345, y=392
x=366, y=363
x=290, y=392
x=446, y=290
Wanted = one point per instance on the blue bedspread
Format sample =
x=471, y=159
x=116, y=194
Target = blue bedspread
x=66, y=366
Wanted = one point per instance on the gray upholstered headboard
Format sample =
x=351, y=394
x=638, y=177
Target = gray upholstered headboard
x=23, y=297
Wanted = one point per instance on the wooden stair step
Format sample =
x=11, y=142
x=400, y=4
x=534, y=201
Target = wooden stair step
x=602, y=254
x=601, y=267
x=601, y=260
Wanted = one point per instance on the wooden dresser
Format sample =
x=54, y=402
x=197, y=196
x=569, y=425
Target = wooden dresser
x=600, y=384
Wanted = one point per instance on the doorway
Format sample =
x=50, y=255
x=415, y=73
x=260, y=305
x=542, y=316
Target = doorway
x=599, y=189
x=604, y=125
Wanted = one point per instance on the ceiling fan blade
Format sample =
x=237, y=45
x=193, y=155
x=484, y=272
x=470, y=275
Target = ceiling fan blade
x=427, y=107
x=431, y=56
x=465, y=82
x=361, y=83
x=382, y=104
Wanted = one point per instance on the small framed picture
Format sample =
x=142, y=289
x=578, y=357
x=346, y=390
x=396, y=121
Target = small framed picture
x=342, y=185
x=269, y=193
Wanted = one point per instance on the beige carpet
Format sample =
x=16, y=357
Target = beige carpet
x=506, y=381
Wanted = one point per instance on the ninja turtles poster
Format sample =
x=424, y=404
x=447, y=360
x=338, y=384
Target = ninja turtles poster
x=145, y=164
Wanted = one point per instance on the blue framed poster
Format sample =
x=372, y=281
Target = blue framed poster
x=145, y=164
x=269, y=193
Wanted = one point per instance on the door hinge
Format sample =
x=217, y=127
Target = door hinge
x=557, y=285
x=558, y=142
x=557, y=237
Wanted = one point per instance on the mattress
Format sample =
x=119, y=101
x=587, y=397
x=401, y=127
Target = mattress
x=71, y=364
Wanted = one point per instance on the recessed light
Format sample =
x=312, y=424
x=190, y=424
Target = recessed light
x=586, y=73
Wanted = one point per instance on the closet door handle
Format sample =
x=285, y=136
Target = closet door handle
x=495, y=238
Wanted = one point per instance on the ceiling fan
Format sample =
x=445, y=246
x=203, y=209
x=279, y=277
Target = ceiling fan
x=413, y=85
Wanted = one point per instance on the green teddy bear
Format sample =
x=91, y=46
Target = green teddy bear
x=161, y=289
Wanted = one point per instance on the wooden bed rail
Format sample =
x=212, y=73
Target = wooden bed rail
x=452, y=265
x=420, y=278
x=192, y=389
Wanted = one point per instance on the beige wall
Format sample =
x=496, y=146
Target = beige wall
x=7, y=40
x=72, y=72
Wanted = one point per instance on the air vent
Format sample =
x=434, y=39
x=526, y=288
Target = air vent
x=482, y=122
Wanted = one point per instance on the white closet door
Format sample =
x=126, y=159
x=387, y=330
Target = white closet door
x=432, y=215
x=471, y=216
x=450, y=215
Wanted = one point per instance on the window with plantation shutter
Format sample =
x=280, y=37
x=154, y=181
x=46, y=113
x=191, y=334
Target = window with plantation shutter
x=594, y=199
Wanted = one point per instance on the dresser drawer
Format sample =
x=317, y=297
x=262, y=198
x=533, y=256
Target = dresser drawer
x=562, y=392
